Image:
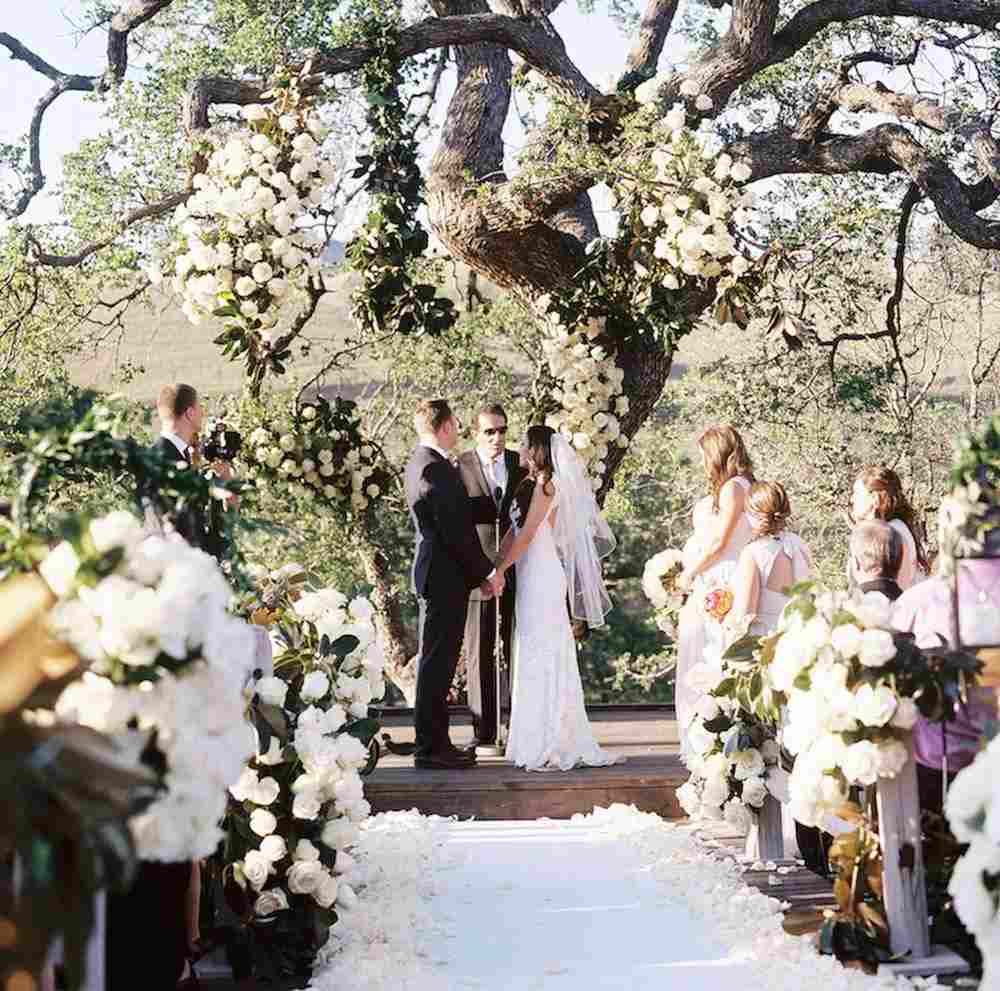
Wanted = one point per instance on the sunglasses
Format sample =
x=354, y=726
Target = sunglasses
x=493, y=431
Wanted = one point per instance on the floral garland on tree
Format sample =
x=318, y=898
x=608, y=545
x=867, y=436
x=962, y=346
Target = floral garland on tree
x=316, y=450
x=296, y=807
x=587, y=388
x=149, y=615
x=243, y=254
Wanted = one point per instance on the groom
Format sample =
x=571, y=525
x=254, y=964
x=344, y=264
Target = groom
x=448, y=563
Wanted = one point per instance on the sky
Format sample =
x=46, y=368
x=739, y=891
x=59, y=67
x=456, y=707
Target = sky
x=46, y=27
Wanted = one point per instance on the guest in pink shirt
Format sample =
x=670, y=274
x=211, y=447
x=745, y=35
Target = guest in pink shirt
x=925, y=610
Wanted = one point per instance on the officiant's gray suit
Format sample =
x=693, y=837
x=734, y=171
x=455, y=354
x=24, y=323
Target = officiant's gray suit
x=480, y=626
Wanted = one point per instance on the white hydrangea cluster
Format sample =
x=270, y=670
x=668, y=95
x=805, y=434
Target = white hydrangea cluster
x=829, y=666
x=165, y=653
x=335, y=465
x=589, y=389
x=243, y=251
x=973, y=810
x=318, y=811
x=685, y=205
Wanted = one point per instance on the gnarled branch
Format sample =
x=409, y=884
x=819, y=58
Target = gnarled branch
x=645, y=54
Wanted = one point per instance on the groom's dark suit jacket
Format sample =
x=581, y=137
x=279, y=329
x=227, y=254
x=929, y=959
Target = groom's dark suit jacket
x=447, y=552
x=189, y=522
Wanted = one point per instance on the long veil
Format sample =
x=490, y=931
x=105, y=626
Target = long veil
x=581, y=534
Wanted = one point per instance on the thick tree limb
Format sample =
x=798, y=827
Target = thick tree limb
x=653, y=30
x=133, y=14
x=883, y=150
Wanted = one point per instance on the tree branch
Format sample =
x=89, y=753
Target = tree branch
x=883, y=150
x=133, y=14
x=653, y=30
x=148, y=212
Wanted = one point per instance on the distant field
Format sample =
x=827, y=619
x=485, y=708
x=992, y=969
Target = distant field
x=161, y=341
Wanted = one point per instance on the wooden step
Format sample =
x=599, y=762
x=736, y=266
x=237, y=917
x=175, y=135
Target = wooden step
x=497, y=790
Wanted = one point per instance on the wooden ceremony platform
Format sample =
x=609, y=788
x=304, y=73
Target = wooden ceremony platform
x=494, y=789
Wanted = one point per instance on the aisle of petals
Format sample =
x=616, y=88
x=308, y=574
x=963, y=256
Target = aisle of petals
x=403, y=859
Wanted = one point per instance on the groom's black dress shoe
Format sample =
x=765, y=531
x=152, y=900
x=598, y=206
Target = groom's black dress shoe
x=446, y=760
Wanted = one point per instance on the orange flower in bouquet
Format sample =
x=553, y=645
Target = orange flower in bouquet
x=718, y=602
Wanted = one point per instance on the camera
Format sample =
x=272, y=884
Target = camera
x=221, y=443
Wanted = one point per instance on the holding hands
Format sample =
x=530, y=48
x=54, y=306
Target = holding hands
x=493, y=587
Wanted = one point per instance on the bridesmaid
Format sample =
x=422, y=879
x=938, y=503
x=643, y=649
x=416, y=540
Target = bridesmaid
x=878, y=495
x=722, y=531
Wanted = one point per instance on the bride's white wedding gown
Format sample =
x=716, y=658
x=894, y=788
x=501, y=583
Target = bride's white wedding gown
x=549, y=729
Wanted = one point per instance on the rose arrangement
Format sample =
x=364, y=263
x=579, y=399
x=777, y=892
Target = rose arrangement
x=588, y=388
x=243, y=253
x=296, y=808
x=149, y=615
x=854, y=690
x=317, y=450
x=659, y=582
x=972, y=807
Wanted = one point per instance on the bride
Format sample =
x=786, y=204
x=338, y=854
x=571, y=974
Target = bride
x=558, y=541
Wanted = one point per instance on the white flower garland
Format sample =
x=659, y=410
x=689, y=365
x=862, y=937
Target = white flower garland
x=323, y=795
x=243, y=252
x=164, y=652
x=685, y=215
x=589, y=390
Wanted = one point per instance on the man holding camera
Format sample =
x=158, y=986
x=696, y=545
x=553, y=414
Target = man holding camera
x=158, y=916
x=181, y=418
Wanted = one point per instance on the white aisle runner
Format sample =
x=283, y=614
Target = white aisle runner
x=619, y=899
x=554, y=905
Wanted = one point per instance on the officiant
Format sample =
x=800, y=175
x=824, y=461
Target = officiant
x=490, y=473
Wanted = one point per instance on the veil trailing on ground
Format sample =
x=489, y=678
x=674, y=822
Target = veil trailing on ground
x=581, y=534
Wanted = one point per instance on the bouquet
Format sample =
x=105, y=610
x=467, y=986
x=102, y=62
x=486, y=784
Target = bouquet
x=660, y=580
x=718, y=602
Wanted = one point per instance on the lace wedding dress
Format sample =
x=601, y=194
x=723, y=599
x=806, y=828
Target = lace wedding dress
x=549, y=729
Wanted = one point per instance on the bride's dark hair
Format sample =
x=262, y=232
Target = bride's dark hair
x=540, y=466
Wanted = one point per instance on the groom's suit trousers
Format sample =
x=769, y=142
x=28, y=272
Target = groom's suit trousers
x=442, y=625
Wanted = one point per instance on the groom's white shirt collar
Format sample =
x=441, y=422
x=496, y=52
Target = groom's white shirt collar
x=179, y=442
x=440, y=450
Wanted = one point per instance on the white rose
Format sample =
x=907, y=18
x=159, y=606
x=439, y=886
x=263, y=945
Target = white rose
x=326, y=891
x=245, y=286
x=846, y=640
x=740, y=172
x=266, y=791
x=314, y=686
x=253, y=252
x=747, y=764
x=304, y=876
x=307, y=804
x=892, y=758
x=737, y=815
x=274, y=847
x=262, y=272
x=262, y=822
x=689, y=88
x=874, y=706
x=270, y=902
x=877, y=648
x=338, y=834
x=256, y=868
x=860, y=763
x=254, y=112
x=271, y=690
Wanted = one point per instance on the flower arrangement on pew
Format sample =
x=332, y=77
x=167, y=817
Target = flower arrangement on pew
x=854, y=690
x=731, y=740
x=150, y=616
x=296, y=808
x=314, y=450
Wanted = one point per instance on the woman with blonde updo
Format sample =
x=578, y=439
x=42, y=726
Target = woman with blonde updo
x=773, y=561
x=878, y=495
